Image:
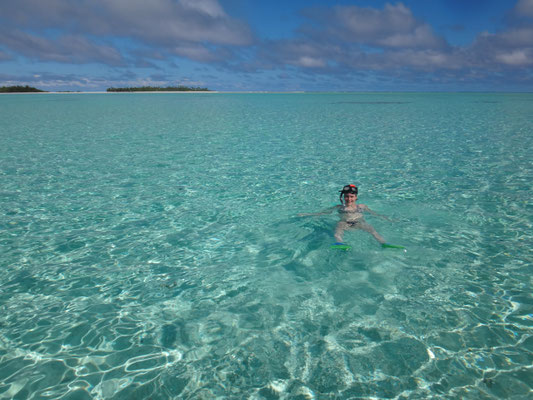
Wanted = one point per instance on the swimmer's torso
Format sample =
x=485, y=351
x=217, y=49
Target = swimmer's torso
x=351, y=214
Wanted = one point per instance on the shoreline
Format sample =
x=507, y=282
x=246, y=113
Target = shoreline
x=106, y=92
x=177, y=92
x=252, y=92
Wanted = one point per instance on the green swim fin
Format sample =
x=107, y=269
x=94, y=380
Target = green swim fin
x=391, y=246
x=341, y=246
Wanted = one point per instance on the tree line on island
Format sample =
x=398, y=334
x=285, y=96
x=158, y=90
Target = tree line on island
x=19, y=89
x=29, y=89
x=159, y=89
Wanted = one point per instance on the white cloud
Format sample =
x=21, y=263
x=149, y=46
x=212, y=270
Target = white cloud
x=516, y=58
x=195, y=52
x=392, y=40
x=516, y=37
x=370, y=23
x=337, y=40
x=73, y=49
x=208, y=7
x=425, y=60
x=393, y=26
x=524, y=8
x=512, y=48
x=166, y=21
x=362, y=38
x=185, y=25
x=419, y=37
x=310, y=62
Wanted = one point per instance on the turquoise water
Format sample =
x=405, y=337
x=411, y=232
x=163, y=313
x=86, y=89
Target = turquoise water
x=150, y=246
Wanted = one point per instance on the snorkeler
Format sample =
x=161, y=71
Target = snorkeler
x=351, y=217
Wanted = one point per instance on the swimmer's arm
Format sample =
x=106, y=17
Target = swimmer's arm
x=375, y=214
x=324, y=212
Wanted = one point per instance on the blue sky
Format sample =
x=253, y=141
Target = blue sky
x=241, y=45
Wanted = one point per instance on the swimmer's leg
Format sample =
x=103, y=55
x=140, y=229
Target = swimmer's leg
x=339, y=230
x=370, y=229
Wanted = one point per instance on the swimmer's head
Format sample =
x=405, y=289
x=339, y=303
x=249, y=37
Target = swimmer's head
x=348, y=189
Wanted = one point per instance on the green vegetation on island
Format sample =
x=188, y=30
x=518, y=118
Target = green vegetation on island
x=159, y=89
x=19, y=89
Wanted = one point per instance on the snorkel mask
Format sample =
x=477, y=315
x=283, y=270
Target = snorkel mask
x=347, y=189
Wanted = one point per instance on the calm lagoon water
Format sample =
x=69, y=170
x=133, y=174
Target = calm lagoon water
x=150, y=246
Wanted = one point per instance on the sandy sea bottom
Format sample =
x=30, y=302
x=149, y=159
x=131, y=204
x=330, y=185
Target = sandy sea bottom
x=150, y=246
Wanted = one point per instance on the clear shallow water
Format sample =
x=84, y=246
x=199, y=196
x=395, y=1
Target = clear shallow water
x=150, y=247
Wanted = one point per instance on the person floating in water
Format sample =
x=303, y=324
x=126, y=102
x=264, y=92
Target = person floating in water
x=351, y=217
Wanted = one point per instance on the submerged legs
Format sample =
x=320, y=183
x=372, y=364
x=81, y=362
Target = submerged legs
x=339, y=230
x=344, y=226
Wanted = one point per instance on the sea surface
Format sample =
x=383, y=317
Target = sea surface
x=151, y=248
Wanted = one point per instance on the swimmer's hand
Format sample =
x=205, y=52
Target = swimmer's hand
x=324, y=212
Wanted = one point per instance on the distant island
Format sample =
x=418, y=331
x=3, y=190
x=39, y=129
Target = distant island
x=159, y=89
x=29, y=89
x=19, y=89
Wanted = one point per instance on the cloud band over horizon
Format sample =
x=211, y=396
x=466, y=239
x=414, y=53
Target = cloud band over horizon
x=92, y=44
